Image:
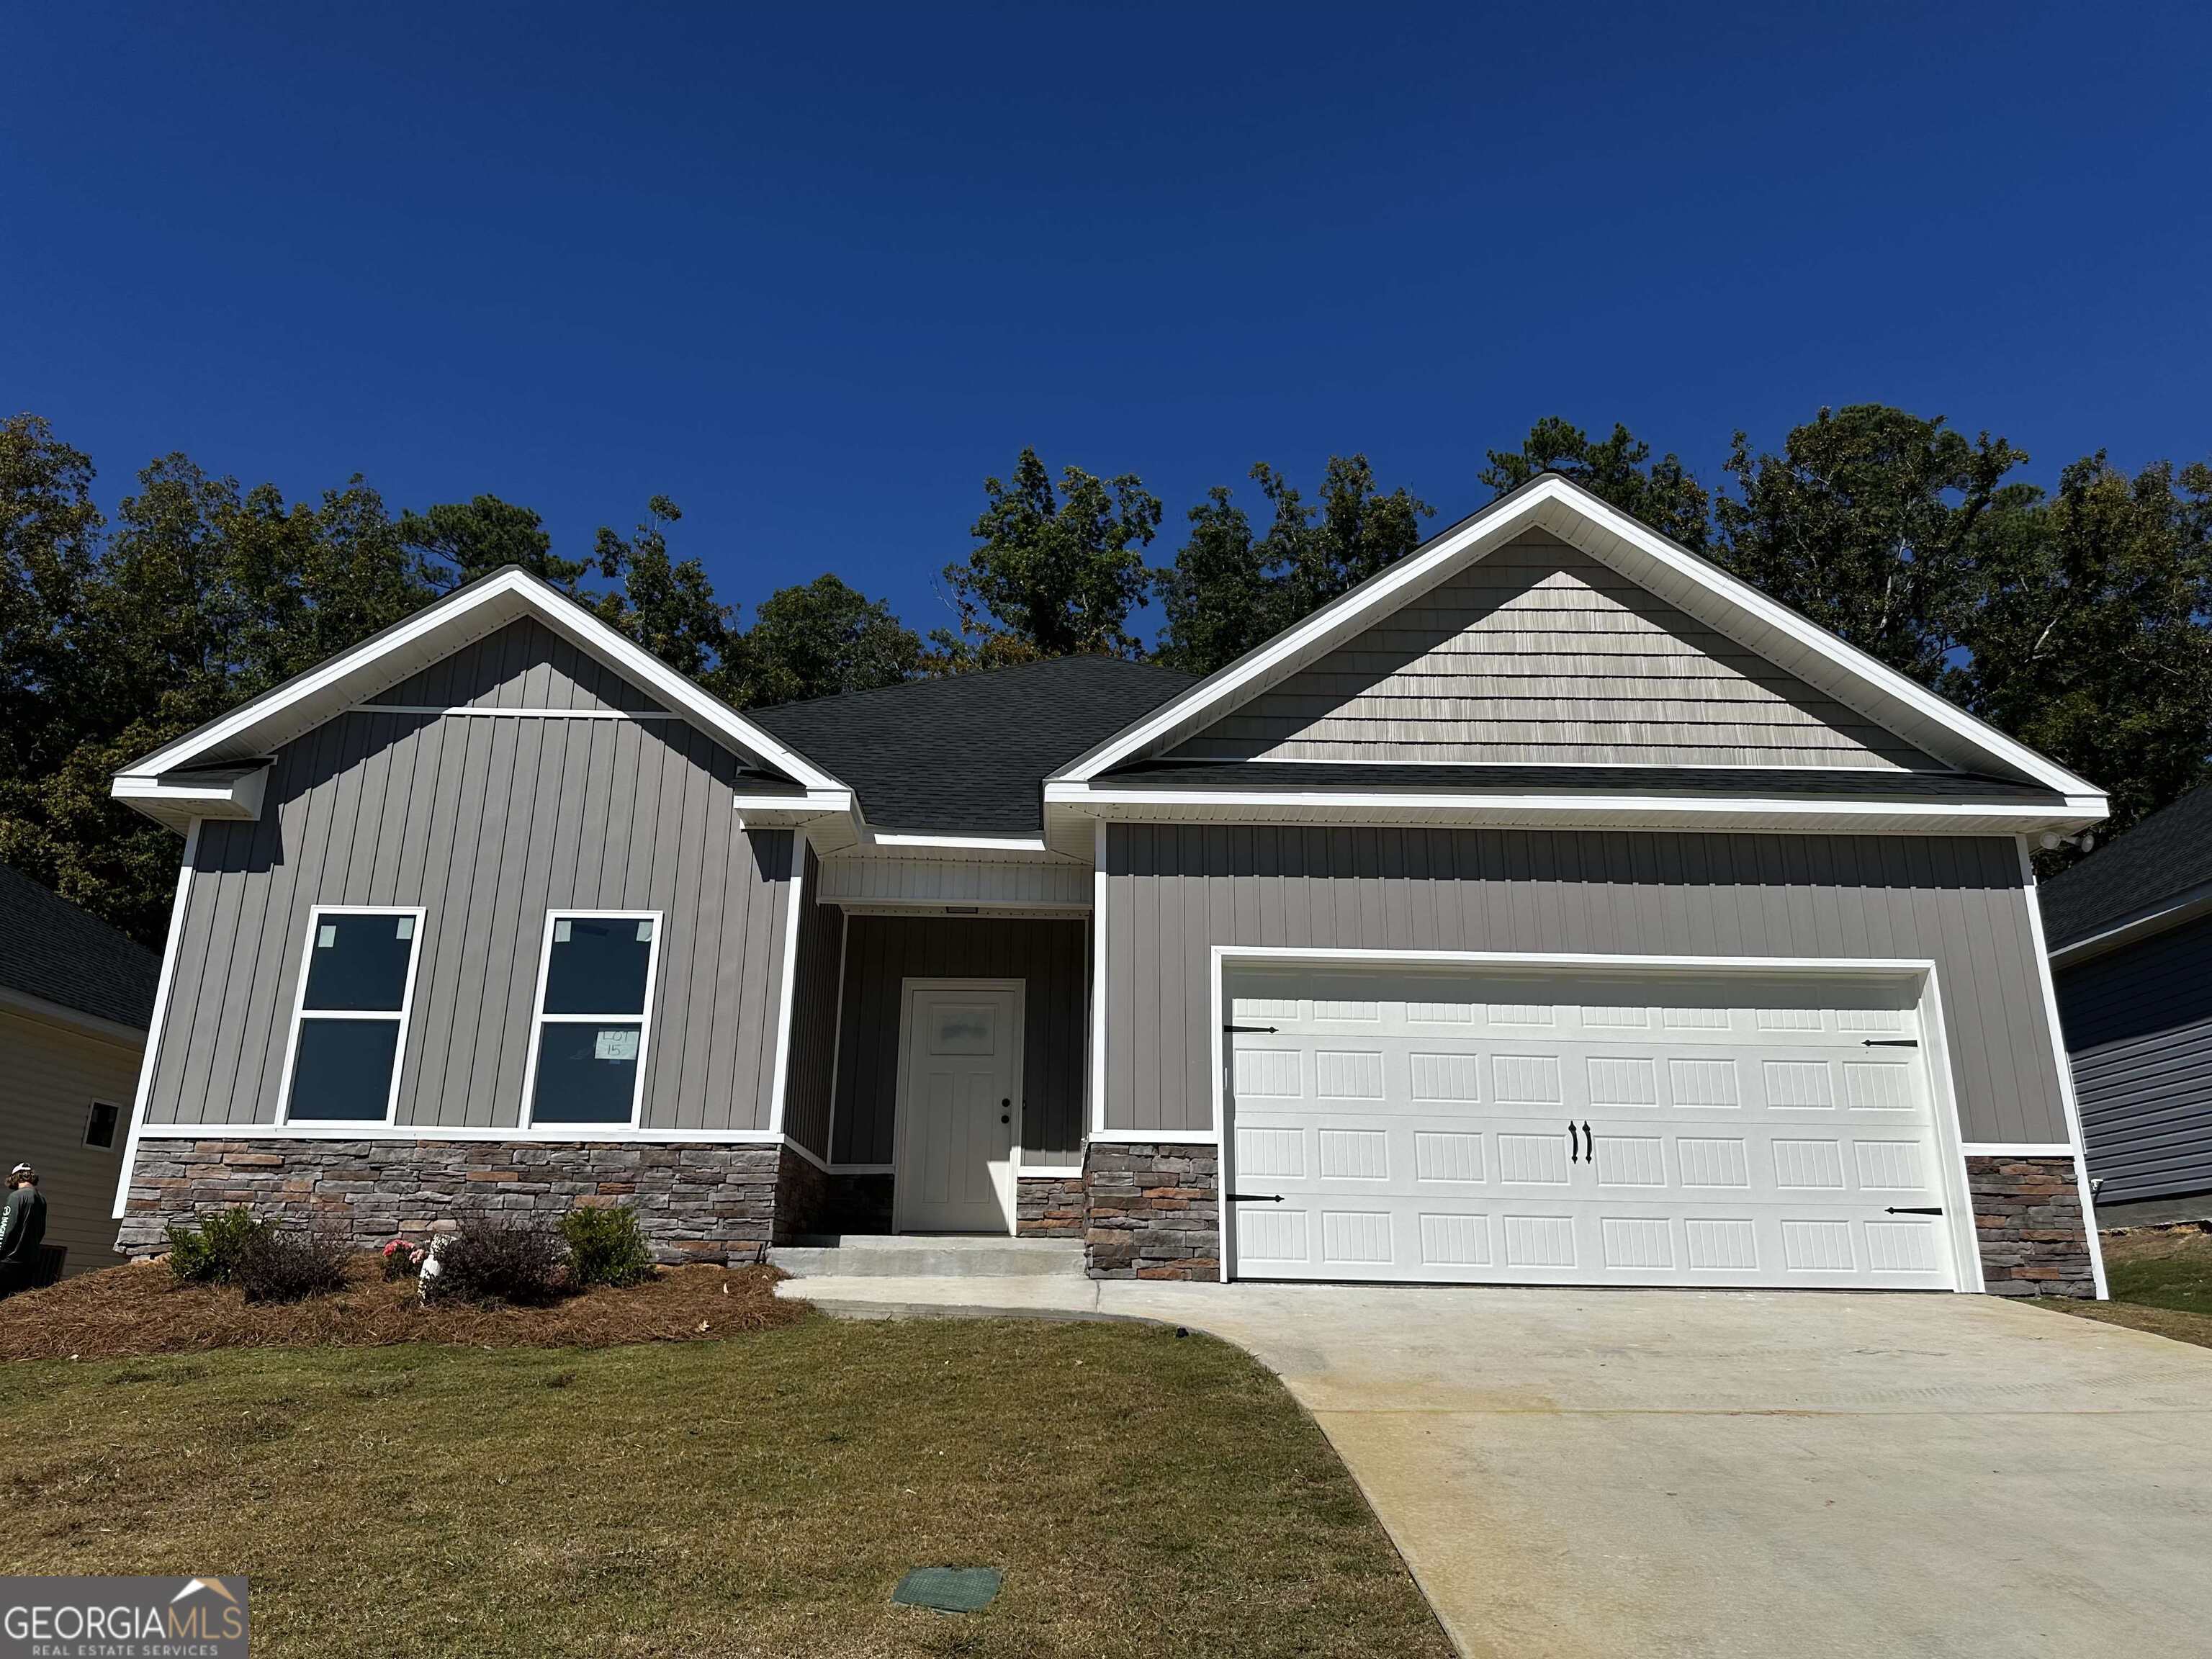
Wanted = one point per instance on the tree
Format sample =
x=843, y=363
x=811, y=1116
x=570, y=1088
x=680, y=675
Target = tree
x=49, y=543
x=460, y=541
x=1870, y=522
x=816, y=639
x=1054, y=574
x=2092, y=639
x=667, y=607
x=1661, y=494
x=1227, y=592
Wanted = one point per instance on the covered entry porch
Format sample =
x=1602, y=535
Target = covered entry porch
x=938, y=1075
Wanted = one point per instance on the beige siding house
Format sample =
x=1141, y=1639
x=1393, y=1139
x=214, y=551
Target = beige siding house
x=75, y=997
x=1552, y=909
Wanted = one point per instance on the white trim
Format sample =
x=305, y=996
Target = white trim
x=1097, y=1070
x=2017, y=1149
x=23, y=1005
x=837, y=1031
x=963, y=843
x=819, y=1163
x=162, y=985
x=445, y=711
x=1047, y=1172
x=1639, y=812
x=1154, y=1137
x=2065, y=1064
x=1552, y=503
x=302, y=1013
x=783, y=1072
x=1943, y=1114
x=237, y=799
x=539, y=1019
x=908, y=988
x=550, y=1134
x=2168, y=913
x=514, y=593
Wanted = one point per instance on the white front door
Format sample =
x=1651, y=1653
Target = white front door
x=959, y=1100
x=1585, y=1129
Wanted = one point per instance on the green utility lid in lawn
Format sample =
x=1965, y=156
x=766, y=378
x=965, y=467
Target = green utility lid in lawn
x=949, y=1589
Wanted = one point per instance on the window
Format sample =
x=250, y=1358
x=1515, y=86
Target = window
x=350, y=1026
x=99, y=1124
x=595, y=988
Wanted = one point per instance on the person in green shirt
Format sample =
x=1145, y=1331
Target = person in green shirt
x=22, y=1229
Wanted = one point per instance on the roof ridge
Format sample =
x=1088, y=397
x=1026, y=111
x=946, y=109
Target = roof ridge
x=968, y=676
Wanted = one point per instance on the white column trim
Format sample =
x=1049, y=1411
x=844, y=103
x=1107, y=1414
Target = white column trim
x=790, y=982
x=162, y=986
x=2064, y=1063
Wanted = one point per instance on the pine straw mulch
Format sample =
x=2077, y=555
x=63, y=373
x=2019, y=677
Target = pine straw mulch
x=140, y=1308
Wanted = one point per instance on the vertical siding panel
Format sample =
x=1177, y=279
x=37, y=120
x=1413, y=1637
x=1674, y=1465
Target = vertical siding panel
x=444, y=1103
x=469, y=1079
x=548, y=795
x=495, y=1081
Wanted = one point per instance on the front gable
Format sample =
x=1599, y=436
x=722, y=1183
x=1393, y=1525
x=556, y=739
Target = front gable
x=1540, y=654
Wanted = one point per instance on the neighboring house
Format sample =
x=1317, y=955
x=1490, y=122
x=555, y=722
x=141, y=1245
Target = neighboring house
x=75, y=998
x=1554, y=907
x=2130, y=931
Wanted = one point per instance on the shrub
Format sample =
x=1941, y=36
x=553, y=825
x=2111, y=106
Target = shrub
x=606, y=1246
x=288, y=1265
x=209, y=1254
x=402, y=1259
x=497, y=1258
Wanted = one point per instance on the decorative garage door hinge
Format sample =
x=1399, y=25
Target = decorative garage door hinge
x=1913, y=1209
x=1889, y=1042
x=1255, y=1198
x=1268, y=1030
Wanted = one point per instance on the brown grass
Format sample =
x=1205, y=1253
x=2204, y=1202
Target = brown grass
x=2162, y=1282
x=1147, y=1497
x=120, y=1312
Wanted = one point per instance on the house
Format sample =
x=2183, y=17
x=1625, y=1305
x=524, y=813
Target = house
x=1554, y=907
x=2130, y=932
x=75, y=998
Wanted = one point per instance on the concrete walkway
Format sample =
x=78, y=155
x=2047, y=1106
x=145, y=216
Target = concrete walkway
x=1682, y=1473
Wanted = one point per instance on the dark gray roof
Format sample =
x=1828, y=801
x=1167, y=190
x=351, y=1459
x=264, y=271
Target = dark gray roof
x=1856, y=783
x=50, y=950
x=968, y=754
x=2164, y=856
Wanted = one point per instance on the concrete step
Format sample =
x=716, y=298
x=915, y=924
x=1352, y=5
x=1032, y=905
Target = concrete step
x=930, y=1256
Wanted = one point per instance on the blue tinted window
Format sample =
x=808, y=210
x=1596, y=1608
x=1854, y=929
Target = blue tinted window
x=359, y=962
x=598, y=965
x=342, y=1069
x=586, y=1071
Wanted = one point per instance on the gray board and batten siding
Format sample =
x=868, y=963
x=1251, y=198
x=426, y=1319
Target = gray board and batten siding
x=882, y=952
x=487, y=823
x=1540, y=654
x=811, y=1069
x=2138, y=1024
x=1174, y=891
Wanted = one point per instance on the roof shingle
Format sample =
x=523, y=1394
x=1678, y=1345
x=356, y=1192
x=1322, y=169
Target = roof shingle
x=2166, y=855
x=50, y=950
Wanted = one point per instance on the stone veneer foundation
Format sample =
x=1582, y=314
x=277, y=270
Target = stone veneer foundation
x=2029, y=1221
x=1155, y=1211
x=696, y=1202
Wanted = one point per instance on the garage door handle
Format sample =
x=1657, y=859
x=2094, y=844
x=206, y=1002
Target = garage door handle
x=1574, y=1146
x=1589, y=1144
x=1255, y=1198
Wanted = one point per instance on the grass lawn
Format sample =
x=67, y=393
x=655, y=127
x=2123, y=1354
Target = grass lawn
x=760, y=1494
x=2162, y=1281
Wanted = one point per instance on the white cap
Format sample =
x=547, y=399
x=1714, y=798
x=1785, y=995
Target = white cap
x=21, y=1169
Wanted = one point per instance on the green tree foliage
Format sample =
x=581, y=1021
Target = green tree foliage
x=1872, y=522
x=1227, y=592
x=2092, y=638
x=460, y=541
x=1618, y=468
x=1054, y=573
x=667, y=606
x=816, y=639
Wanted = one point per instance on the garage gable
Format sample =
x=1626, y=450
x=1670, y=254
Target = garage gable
x=1539, y=654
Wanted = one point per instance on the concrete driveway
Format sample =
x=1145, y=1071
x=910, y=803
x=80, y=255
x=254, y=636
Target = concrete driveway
x=1677, y=1472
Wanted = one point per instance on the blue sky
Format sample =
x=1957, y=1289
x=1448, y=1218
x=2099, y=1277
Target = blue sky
x=815, y=272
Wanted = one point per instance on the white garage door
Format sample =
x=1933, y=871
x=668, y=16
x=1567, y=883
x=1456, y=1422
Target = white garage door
x=1558, y=1130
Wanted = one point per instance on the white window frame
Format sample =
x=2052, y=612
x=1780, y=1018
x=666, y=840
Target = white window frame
x=539, y=1019
x=404, y=1017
